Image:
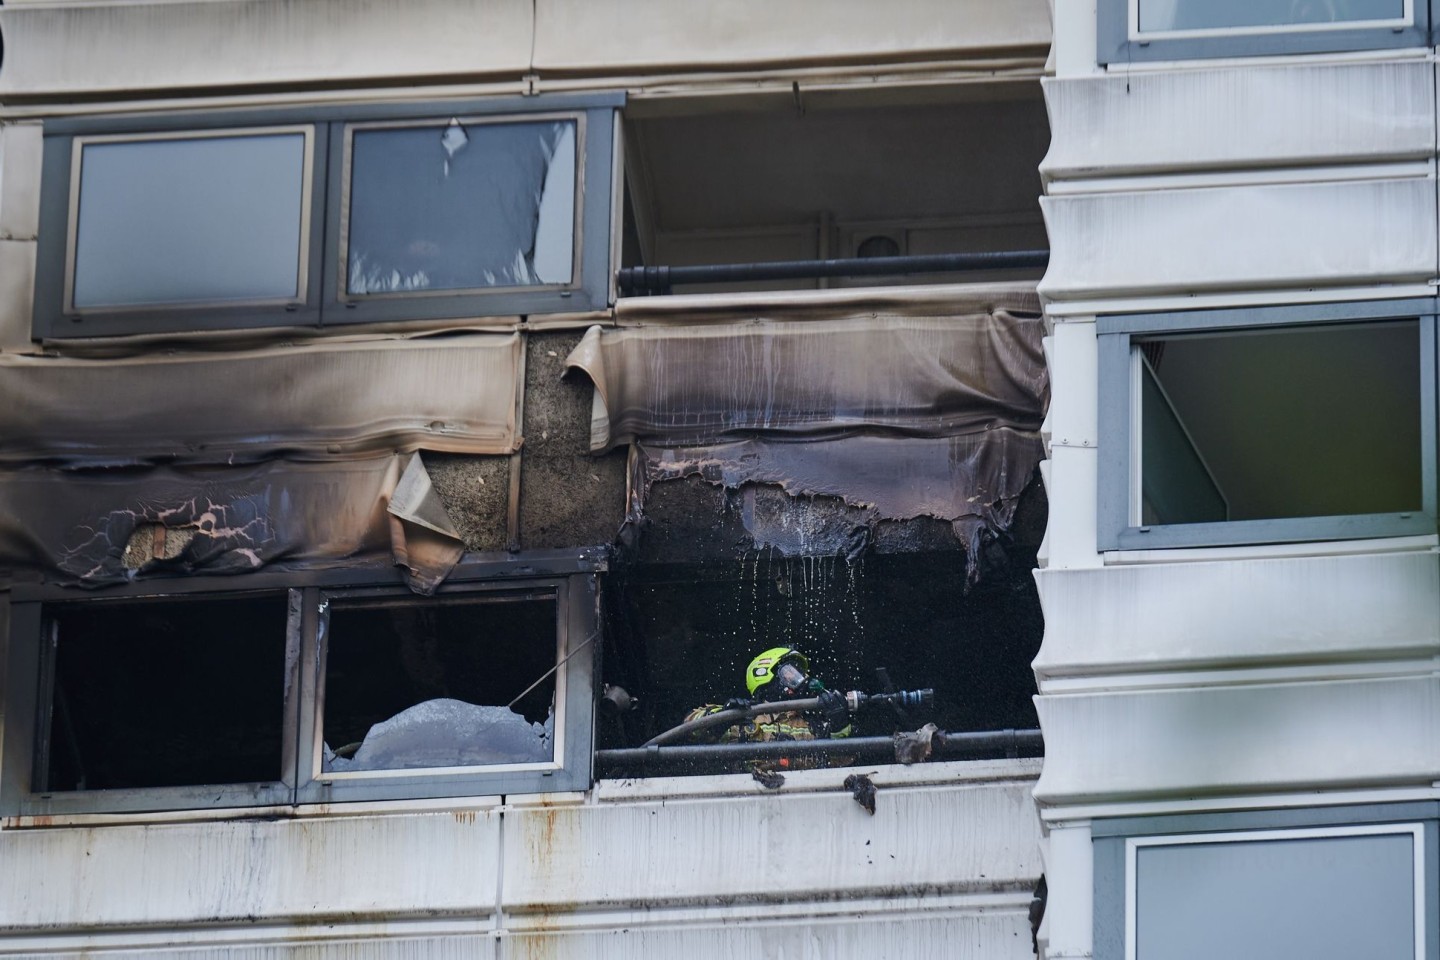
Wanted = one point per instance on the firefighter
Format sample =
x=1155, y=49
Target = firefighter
x=781, y=673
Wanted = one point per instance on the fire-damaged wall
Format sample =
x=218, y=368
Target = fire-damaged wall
x=854, y=476
x=859, y=484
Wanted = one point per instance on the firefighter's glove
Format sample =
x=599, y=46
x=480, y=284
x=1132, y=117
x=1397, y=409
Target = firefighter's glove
x=832, y=707
x=738, y=703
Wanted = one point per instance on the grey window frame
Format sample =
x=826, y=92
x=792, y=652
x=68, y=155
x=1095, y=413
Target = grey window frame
x=576, y=625
x=572, y=575
x=59, y=207
x=1117, y=404
x=1110, y=837
x=324, y=303
x=1114, y=45
x=27, y=674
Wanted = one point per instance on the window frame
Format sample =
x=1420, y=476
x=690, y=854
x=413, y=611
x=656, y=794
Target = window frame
x=1115, y=843
x=27, y=690
x=572, y=575
x=576, y=624
x=56, y=318
x=324, y=301
x=1120, y=41
x=1118, y=409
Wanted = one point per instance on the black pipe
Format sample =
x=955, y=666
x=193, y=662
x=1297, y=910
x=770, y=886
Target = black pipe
x=634, y=280
x=942, y=744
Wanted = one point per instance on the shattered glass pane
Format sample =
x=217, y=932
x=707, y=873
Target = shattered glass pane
x=191, y=220
x=1157, y=15
x=440, y=682
x=456, y=207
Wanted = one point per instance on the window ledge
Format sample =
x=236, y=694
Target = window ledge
x=819, y=781
x=1331, y=548
x=940, y=299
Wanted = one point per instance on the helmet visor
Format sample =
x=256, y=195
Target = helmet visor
x=790, y=678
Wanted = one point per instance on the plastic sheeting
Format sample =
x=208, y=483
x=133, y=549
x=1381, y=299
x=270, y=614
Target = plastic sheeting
x=318, y=400
x=75, y=526
x=450, y=733
x=934, y=376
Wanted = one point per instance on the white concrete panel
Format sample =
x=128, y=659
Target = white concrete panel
x=419, y=865
x=1272, y=235
x=1075, y=38
x=665, y=36
x=21, y=146
x=17, y=294
x=1239, y=612
x=1074, y=369
x=1249, y=738
x=920, y=840
x=991, y=936
x=204, y=44
x=460, y=947
x=1070, y=878
x=1070, y=479
x=1291, y=114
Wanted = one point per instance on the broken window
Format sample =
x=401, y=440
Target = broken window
x=327, y=215
x=357, y=691
x=450, y=682
x=460, y=206
x=1245, y=432
x=143, y=694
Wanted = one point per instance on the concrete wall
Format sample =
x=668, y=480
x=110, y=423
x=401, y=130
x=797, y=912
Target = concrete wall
x=713, y=867
x=59, y=49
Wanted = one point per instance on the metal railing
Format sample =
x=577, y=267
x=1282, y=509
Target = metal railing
x=646, y=281
x=1012, y=743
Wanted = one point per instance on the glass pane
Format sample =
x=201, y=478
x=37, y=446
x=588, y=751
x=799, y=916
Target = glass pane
x=167, y=693
x=1177, y=485
x=1159, y=15
x=1288, y=422
x=174, y=221
x=457, y=207
x=1327, y=898
x=430, y=683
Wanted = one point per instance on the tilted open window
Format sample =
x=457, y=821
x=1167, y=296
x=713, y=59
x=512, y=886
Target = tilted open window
x=1267, y=426
x=1137, y=30
x=325, y=215
x=343, y=690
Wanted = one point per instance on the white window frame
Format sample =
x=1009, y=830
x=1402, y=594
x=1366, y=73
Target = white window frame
x=1115, y=842
x=1133, y=845
x=1120, y=39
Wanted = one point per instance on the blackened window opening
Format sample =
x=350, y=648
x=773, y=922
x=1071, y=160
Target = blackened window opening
x=430, y=660
x=681, y=635
x=164, y=693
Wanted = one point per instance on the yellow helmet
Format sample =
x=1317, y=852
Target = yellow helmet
x=762, y=669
